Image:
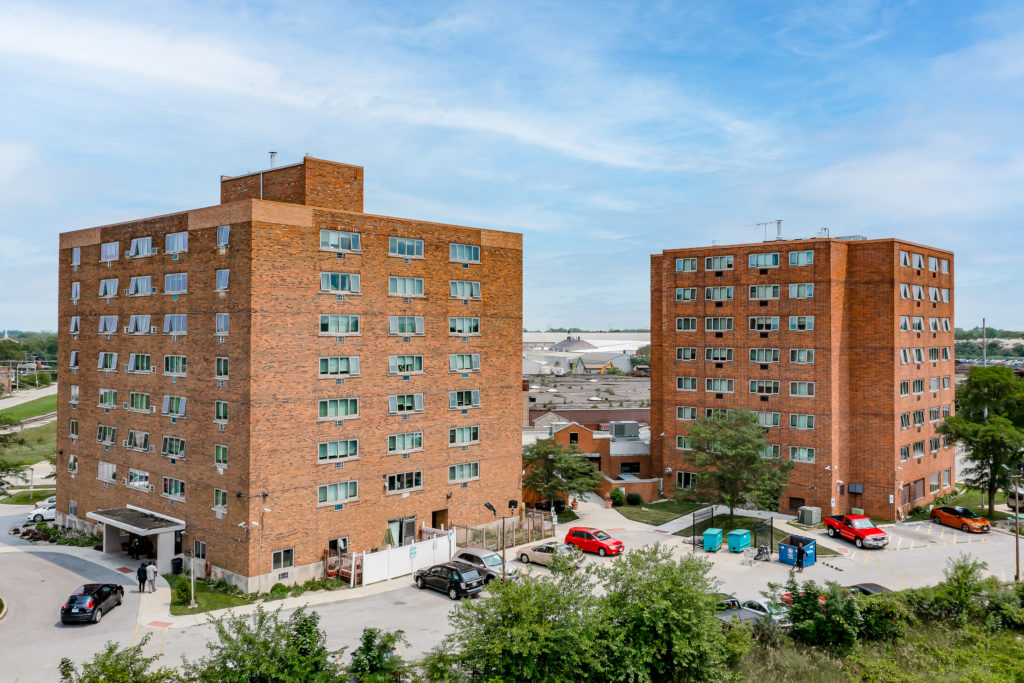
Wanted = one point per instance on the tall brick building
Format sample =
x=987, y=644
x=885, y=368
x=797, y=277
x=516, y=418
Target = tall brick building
x=280, y=374
x=842, y=346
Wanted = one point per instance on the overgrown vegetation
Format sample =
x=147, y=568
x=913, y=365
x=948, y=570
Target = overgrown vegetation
x=31, y=446
x=57, y=535
x=39, y=406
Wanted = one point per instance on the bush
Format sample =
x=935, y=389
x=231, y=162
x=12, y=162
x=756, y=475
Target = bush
x=885, y=617
x=737, y=643
x=182, y=594
x=617, y=497
x=277, y=592
x=1004, y=610
x=964, y=585
x=834, y=623
x=634, y=499
x=767, y=633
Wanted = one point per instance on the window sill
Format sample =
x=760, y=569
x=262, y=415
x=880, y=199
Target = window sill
x=406, y=296
x=407, y=334
x=471, y=263
x=341, y=292
x=331, y=461
x=328, y=250
x=458, y=372
x=400, y=491
x=175, y=416
x=101, y=332
x=138, y=449
x=406, y=412
x=220, y=465
x=105, y=406
x=466, y=298
x=464, y=443
x=332, y=419
x=456, y=482
x=222, y=510
x=146, y=411
x=409, y=452
x=463, y=407
x=172, y=456
x=464, y=334
x=330, y=504
x=220, y=422
x=105, y=443
x=106, y=369
x=175, y=374
x=339, y=334
x=172, y=293
x=337, y=376
x=221, y=379
x=176, y=334
x=174, y=498
x=106, y=481
x=403, y=256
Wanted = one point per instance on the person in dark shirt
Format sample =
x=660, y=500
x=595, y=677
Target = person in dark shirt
x=140, y=574
x=800, y=555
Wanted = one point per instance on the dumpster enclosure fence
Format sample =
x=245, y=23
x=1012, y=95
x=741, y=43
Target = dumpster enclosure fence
x=764, y=534
x=701, y=521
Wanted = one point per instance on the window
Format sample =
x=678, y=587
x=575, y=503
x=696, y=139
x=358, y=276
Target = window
x=905, y=258
x=686, y=480
x=764, y=323
x=764, y=355
x=337, y=366
x=464, y=253
x=763, y=260
x=75, y=325
x=106, y=471
x=138, y=400
x=108, y=288
x=686, y=353
x=109, y=251
x=464, y=362
x=329, y=451
x=934, y=414
x=764, y=386
x=222, y=324
x=330, y=494
x=686, y=413
x=933, y=264
x=405, y=481
x=684, y=443
x=405, y=324
x=138, y=324
x=464, y=399
x=76, y=256
x=140, y=285
x=175, y=283
x=686, y=294
x=463, y=435
x=339, y=283
x=918, y=292
x=945, y=381
x=76, y=291
x=405, y=286
x=283, y=559
x=686, y=324
x=801, y=454
x=176, y=323
x=718, y=355
x=108, y=324
x=176, y=242
x=686, y=383
x=73, y=362
x=74, y=394
x=406, y=442
x=220, y=455
x=174, y=406
x=338, y=408
x=138, y=440
x=138, y=479
x=933, y=353
x=767, y=419
x=405, y=247
x=223, y=236
x=176, y=365
x=718, y=324
x=918, y=260
x=464, y=472
x=172, y=447
x=945, y=325
x=946, y=410
x=904, y=420
x=904, y=323
x=905, y=388
x=801, y=258
x=139, y=362
x=336, y=240
x=918, y=418
x=718, y=263
x=717, y=385
x=933, y=324
x=904, y=290
x=405, y=403
x=220, y=411
x=140, y=247
x=686, y=265
x=772, y=451
x=944, y=265
x=338, y=325
x=73, y=429
x=220, y=368
x=716, y=412
x=946, y=475
x=904, y=356
x=933, y=295
x=220, y=500
x=918, y=449
x=763, y=292
x=933, y=384
x=945, y=295
x=463, y=326
x=801, y=323
x=222, y=280
x=463, y=289
x=801, y=421
x=718, y=293
x=801, y=388
x=106, y=434
x=801, y=291
x=108, y=398
x=107, y=361
x=904, y=453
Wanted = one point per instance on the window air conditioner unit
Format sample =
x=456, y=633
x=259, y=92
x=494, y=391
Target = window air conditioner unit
x=126, y=330
x=151, y=488
x=125, y=443
x=152, y=330
x=124, y=481
x=126, y=404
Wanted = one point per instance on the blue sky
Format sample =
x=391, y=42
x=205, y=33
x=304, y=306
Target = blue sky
x=604, y=131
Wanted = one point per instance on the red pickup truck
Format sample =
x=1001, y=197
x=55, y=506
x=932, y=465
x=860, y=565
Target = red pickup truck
x=857, y=528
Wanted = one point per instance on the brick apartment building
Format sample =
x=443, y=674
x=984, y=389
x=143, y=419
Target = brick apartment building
x=282, y=373
x=842, y=346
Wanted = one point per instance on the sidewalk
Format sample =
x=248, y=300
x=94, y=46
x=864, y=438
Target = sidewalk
x=27, y=395
x=684, y=522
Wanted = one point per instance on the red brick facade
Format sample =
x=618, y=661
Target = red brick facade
x=861, y=357
x=273, y=387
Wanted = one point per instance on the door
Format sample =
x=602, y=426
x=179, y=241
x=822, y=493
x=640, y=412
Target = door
x=588, y=542
x=395, y=527
x=408, y=531
x=439, y=519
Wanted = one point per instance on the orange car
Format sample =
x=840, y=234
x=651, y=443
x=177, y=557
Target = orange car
x=961, y=518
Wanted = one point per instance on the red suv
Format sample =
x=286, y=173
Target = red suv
x=591, y=540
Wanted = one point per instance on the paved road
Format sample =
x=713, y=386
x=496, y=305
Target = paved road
x=26, y=395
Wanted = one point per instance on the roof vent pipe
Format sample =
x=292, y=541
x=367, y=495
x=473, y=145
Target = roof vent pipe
x=778, y=228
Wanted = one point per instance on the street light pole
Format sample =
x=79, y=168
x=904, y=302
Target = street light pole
x=1016, y=523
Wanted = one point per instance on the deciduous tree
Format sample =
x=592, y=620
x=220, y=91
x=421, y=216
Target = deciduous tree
x=115, y=665
x=552, y=468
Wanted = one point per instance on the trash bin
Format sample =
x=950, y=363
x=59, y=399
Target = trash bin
x=739, y=540
x=712, y=540
x=788, y=546
x=177, y=565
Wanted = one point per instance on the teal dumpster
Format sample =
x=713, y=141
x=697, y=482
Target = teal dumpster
x=712, y=540
x=738, y=540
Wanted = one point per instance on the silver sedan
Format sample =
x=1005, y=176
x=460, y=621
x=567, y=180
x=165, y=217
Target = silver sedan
x=543, y=553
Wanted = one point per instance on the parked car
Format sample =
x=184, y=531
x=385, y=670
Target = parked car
x=3, y=488
x=857, y=528
x=777, y=613
x=729, y=610
x=591, y=540
x=1015, y=500
x=868, y=588
x=457, y=579
x=544, y=553
x=52, y=500
x=90, y=602
x=488, y=563
x=48, y=513
x=961, y=518
x=558, y=504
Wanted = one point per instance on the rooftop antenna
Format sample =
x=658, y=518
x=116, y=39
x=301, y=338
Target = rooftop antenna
x=273, y=155
x=764, y=227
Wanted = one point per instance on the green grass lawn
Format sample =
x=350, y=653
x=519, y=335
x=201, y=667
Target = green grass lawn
x=40, y=406
x=23, y=498
x=567, y=515
x=723, y=523
x=659, y=513
x=207, y=598
x=40, y=442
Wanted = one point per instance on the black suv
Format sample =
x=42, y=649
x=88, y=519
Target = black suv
x=457, y=579
x=90, y=602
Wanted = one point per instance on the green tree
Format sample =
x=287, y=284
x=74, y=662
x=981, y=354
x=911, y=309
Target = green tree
x=376, y=660
x=553, y=468
x=828, y=616
x=11, y=350
x=642, y=356
x=9, y=471
x=729, y=454
x=990, y=425
x=114, y=665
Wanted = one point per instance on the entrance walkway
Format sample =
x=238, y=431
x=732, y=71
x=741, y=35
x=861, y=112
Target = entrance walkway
x=26, y=395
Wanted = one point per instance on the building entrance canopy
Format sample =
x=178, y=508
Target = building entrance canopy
x=140, y=522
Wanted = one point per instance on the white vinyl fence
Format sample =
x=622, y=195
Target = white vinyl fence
x=406, y=559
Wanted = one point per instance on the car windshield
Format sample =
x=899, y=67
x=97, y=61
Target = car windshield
x=563, y=548
x=966, y=514
x=492, y=560
x=80, y=599
x=601, y=536
x=863, y=524
x=470, y=575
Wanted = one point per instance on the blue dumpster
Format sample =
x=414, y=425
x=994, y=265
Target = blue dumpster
x=712, y=540
x=738, y=540
x=788, y=546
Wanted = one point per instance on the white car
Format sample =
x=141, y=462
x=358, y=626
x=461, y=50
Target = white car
x=48, y=513
x=544, y=553
x=52, y=500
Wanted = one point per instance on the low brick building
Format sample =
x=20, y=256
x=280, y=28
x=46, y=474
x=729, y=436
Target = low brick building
x=621, y=453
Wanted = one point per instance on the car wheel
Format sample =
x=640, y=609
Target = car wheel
x=602, y=552
x=859, y=543
x=488, y=579
x=831, y=532
x=97, y=615
x=935, y=518
x=419, y=582
x=524, y=558
x=37, y=518
x=453, y=594
x=119, y=598
x=964, y=528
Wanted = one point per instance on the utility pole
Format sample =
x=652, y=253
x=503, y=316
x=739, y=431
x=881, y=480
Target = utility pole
x=984, y=344
x=1016, y=523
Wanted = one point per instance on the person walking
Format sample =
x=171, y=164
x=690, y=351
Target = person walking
x=151, y=576
x=140, y=573
x=800, y=555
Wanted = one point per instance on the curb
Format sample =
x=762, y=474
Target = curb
x=3, y=612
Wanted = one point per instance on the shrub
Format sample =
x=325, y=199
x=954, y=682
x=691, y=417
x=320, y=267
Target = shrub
x=964, y=585
x=634, y=499
x=277, y=592
x=617, y=497
x=767, y=633
x=182, y=593
x=885, y=617
x=737, y=644
x=1004, y=610
x=834, y=623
